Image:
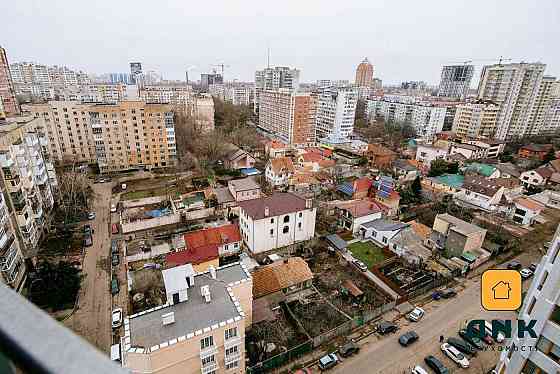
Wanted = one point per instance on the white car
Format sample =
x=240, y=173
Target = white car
x=455, y=355
x=419, y=370
x=91, y=215
x=525, y=273
x=113, y=208
x=416, y=315
x=116, y=318
x=360, y=265
x=123, y=186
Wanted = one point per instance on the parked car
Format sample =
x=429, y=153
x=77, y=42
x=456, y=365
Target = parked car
x=113, y=208
x=385, y=327
x=418, y=370
x=448, y=293
x=328, y=361
x=348, y=349
x=472, y=340
x=462, y=346
x=116, y=318
x=115, y=286
x=525, y=273
x=91, y=215
x=547, y=244
x=436, y=365
x=454, y=354
x=116, y=352
x=408, y=338
x=416, y=314
x=514, y=265
x=123, y=186
x=360, y=265
x=114, y=247
x=533, y=267
x=114, y=229
x=115, y=260
x=88, y=230
x=88, y=240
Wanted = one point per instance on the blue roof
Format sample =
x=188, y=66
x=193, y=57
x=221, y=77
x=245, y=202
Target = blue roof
x=249, y=171
x=346, y=188
x=385, y=225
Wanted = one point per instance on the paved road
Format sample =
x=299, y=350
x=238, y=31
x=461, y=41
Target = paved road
x=92, y=319
x=444, y=317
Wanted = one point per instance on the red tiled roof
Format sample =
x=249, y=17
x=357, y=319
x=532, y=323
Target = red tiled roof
x=282, y=164
x=196, y=256
x=311, y=157
x=529, y=204
x=360, y=208
x=362, y=184
x=276, y=144
x=280, y=275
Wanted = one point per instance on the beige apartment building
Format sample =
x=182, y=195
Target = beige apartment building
x=475, y=120
x=543, y=104
x=289, y=115
x=201, y=328
x=127, y=135
x=202, y=110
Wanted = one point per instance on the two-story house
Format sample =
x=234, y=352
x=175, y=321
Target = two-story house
x=525, y=210
x=351, y=214
x=535, y=178
x=457, y=235
x=276, y=221
x=279, y=171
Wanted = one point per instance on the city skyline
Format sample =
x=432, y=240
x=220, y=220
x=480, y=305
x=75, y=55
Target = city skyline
x=308, y=45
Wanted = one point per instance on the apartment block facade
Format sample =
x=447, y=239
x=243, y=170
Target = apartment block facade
x=336, y=109
x=455, y=81
x=542, y=107
x=542, y=304
x=127, y=135
x=364, y=74
x=515, y=88
x=7, y=91
x=178, y=95
x=288, y=115
x=474, y=120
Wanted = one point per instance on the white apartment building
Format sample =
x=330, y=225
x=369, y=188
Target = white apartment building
x=202, y=110
x=277, y=77
x=178, y=95
x=552, y=119
x=474, y=120
x=515, y=88
x=336, y=109
x=542, y=303
x=12, y=266
x=455, y=81
x=428, y=120
x=277, y=221
x=544, y=101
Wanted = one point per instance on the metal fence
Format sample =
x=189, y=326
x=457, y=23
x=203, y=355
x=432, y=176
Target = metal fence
x=281, y=359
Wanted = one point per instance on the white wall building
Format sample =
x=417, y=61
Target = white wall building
x=542, y=303
x=426, y=153
x=277, y=221
x=336, y=109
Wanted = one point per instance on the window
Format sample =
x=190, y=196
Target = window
x=208, y=360
x=300, y=214
x=232, y=365
x=232, y=351
x=271, y=232
x=285, y=229
x=299, y=225
x=555, y=253
x=272, y=220
x=543, y=280
x=531, y=305
x=286, y=219
x=555, y=315
x=231, y=333
x=549, y=348
x=384, y=239
x=206, y=342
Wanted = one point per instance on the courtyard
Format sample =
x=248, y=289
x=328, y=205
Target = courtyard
x=368, y=253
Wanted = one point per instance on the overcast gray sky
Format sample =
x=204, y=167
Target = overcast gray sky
x=405, y=40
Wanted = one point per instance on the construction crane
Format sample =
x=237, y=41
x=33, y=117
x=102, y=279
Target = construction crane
x=222, y=66
x=500, y=59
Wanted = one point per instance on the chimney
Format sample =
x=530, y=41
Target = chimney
x=212, y=271
x=205, y=292
x=308, y=203
x=168, y=318
x=266, y=211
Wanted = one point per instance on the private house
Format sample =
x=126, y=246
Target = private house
x=276, y=221
x=279, y=171
x=446, y=184
x=508, y=170
x=383, y=192
x=408, y=244
x=458, y=236
x=485, y=170
x=534, y=151
x=426, y=153
x=535, y=178
x=356, y=189
x=313, y=161
x=201, y=327
x=275, y=149
x=469, y=151
x=239, y=159
x=352, y=214
x=381, y=230
x=285, y=277
x=405, y=171
x=490, y=148
x=480, y=193
x=379, y=157
x=244, y=189
x=525, y=210
x=203, y=248
x=548, y=198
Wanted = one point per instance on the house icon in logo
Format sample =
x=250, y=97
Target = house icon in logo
x=501, y=290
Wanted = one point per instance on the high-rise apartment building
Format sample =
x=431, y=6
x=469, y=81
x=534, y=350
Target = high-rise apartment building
x=476, y=120
x=336, y=109
x=122, y=136
x=541, y=108
x=202, y=110
x=277, y=77
x=542, y=304
x=178, y=95
x=209, y=79
x=7, y=91
x=364, y=74
x=135, y=70
x=514, y=87
x=288, y=115
x=455, y=81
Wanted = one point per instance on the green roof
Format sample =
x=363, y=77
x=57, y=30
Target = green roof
x=482, y=169
x=469, y=256
x=452, y=180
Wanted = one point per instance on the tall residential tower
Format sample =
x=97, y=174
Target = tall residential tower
x=455, y=81
x=7, y=92
x=364, y=74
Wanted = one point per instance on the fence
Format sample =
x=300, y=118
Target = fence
x=281, y=359
x=438, y=282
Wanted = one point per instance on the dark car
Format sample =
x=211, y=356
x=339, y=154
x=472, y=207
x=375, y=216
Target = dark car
x=515, y=265
x=472, y=340
x=533, y=267
x=115, y=286
x=462, y=346
x=408, y=338
x=486, y=337
x=385, y=327
x=348, y=349
x=115, y=260
x=448, y=293
x=436, y=365
x=88, y=230
x=114, y=247
x=88, y=241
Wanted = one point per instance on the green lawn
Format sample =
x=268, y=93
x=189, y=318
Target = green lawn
x=367, y=252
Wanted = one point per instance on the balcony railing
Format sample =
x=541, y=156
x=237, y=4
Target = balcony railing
x=208, y=368
x=36, y=343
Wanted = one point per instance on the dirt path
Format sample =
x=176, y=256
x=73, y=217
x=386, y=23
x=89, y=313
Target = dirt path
x=92, y=319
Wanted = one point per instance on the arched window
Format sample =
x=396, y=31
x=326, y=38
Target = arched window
x=286, y=219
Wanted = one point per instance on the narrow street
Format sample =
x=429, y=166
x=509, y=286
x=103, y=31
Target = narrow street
x=92, y=319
